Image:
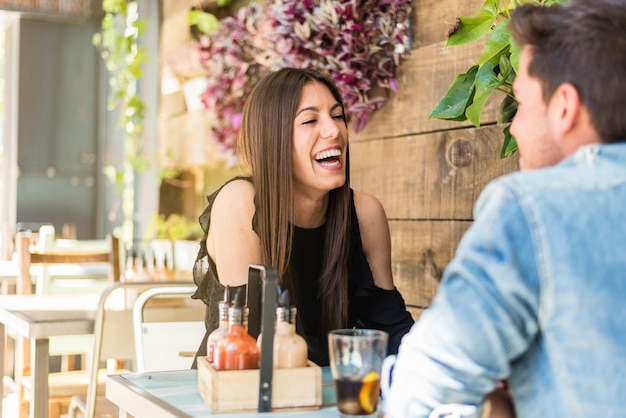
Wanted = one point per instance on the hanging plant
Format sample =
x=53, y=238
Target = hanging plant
x=360, y=43
x=118, y=43
x=123, y=58
x=495, y=70
x=231, y=56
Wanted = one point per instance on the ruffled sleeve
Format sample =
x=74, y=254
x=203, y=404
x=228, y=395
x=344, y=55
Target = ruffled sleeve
x=209, y=289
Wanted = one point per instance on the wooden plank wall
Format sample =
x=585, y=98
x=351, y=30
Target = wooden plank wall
x=427, y=173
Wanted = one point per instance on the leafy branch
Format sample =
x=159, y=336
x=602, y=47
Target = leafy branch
x=495, y=70
x=118, y=44
x=123, y=56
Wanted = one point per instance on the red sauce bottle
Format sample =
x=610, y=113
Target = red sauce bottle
x=237, y=350
x=222, y=330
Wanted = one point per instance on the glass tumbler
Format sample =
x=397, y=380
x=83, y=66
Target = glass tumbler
x=356, y=357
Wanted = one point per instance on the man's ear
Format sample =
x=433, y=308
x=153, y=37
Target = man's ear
x=566, y=109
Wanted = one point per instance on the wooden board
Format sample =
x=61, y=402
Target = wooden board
x=172, y=105
x=415, y=312
x=238, y=390
x=186, y=141
x=420, y=252
x=432, y=176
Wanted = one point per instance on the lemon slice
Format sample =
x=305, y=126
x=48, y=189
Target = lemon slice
x=368, y=395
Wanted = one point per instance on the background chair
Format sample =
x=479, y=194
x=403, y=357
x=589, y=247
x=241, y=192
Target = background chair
x=170, y=305
x=84, y=266
x=73, y=260
x=166, y=343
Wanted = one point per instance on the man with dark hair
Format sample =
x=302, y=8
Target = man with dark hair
x=535, y=294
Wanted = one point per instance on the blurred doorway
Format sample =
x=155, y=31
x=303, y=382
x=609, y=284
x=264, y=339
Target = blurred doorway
x=60, y=172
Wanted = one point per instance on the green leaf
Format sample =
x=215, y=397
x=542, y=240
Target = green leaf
x=486, y=83
x=549, y=3
x=509, y=147
x=508, y=108
x=222, y=3
x=141, y=163
x=460, y=94
x=206, y=22
x=135, y=101
x=514, y=57
x=497, y=44
x=114, y=6
x=114, y=176
x=141, y=25
x=472, y=28
x=96, y=39
x=506, y=70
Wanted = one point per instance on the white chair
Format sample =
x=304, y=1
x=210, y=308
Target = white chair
x=169, y=344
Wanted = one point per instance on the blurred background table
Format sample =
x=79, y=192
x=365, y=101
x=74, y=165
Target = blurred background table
x=38, y=318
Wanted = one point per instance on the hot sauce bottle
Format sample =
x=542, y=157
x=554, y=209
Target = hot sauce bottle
x=237, y=350
x=220, y=332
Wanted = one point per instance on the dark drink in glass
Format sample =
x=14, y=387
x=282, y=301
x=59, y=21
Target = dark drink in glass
x=358, y=396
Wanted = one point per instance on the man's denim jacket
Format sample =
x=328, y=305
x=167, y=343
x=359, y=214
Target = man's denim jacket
x=536, y=294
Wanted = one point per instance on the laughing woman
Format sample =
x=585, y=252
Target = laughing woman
x=297, y=213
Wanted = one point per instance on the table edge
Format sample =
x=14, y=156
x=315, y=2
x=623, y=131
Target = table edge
x=121, y=380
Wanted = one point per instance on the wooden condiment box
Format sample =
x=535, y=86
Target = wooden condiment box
x=238, y=390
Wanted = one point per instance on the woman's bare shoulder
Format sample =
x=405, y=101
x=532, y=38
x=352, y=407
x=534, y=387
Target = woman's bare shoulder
x=375, y=238
x=368, y=207
x=235, y=197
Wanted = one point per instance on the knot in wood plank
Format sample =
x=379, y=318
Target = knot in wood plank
x=460, y=153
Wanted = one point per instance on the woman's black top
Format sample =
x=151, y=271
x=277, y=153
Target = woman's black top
x=369, y=305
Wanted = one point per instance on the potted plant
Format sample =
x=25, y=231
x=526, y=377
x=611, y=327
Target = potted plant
x=175, y=238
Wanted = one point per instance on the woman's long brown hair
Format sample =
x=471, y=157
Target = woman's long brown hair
x=265, y=146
